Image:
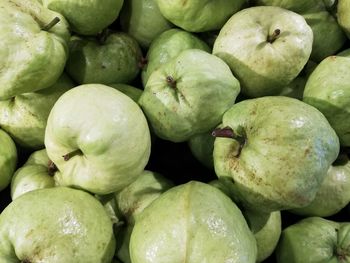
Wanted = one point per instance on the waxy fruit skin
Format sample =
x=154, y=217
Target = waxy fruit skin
x=27, y=50
x=188, y=95
x=314, y=240
x=107, y=133
x=87, y=17
x=56, y=225
x=264, y=66
x=193, y=223
x=8, y=159
x=281, y=153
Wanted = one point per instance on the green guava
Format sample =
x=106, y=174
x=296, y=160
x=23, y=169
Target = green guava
x=24, y=116
x=143, y=21
x=167, y=46
x=193, y=222
x=114, y=59
x=34, y=40
x=56, y=225
x=275, y=152
x=188, y=95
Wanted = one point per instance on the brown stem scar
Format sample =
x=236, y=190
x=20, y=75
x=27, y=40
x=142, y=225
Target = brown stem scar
x=171, y=82
x=274, y=36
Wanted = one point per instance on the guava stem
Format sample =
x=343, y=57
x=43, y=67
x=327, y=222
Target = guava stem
x=274, y=36
x=226, y=132
x=69, y=155
x=51, y=24
x=52, y=168
x=143, y=62
x=171, y=81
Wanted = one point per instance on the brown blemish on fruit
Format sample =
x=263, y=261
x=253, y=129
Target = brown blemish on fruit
x=233, y=163
x=271, y=38
x=171, y=81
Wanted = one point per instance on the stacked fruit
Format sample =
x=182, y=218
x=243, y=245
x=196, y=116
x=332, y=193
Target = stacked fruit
x=95, y=96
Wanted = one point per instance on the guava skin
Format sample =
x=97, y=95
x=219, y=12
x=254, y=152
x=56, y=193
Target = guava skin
x=266, y=47
x=194, y=222
x=130, y=91
x=343, y=11
x=143, y=21
x=267, y=230
x=188, y=95
x=298, y=6
x=266, y=227
x=82, y=14
x=295, y=89
x=8, y=159
x=202, y=147
x=320, y=16
x=34, y=174
x=114, y=60
x=132, y=200
x=168, y=45
x=344, y=53
x=328, y=90
x=29, y=49
x=272, y=134
x=198, y=15
x=334, y=193
x=93, y=126
x=328, y=35
x=56, y=225
x=314, y=240
x=24, y=116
